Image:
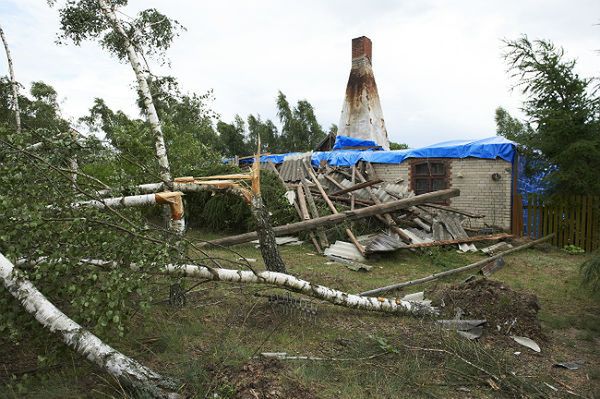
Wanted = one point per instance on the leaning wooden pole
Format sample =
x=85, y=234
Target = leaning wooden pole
x=435, y=276
x=126, y=370
x=332, y=207
x=13, y=81
x=361, y=213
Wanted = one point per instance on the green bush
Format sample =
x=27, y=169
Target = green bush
x=590, y=273
x=228, y=212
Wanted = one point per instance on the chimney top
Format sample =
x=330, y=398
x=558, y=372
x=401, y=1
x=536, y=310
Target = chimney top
x=361, y=47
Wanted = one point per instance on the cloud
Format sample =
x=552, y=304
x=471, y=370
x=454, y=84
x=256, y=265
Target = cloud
x=438, y=64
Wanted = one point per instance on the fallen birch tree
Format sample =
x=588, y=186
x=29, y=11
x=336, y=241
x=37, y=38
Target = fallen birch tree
x=343, y=216
x=128, y=371
x=295, y=284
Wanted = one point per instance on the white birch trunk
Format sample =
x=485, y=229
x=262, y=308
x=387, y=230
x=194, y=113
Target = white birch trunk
x=151, y=114
x=171, y=198
x=292, y=283
x=281, y=280
x=82, y=341
x=13, y=81
x=74, y=166
x=119, y=202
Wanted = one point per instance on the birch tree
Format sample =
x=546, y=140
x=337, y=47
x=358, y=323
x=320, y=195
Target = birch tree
x=125, y=369
x=13, y=80
x=150, y=33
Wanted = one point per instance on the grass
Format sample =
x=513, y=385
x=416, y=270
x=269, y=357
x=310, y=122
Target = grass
x=224, y=325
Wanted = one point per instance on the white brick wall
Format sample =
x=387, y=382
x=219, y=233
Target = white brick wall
x=478, y=192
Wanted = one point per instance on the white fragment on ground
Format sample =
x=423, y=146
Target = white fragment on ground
x=527, y=342
x=250, y=260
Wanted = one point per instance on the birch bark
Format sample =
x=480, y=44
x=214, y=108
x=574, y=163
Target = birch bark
x=125, y=369
x=13, y=81
x=151, y=114
x=292, y=283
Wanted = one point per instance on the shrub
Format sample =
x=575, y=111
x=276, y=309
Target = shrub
x=228, y=212
x=590, y=273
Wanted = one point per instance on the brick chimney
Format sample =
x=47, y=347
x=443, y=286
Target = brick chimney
x=362, y=47
x=362, y=116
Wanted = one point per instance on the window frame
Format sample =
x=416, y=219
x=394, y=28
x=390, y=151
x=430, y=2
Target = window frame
x=429, y=161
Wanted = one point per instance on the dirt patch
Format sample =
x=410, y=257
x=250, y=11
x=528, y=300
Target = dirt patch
x=265, y=379
x=507, y=312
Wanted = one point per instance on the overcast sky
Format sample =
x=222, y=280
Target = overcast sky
x=437, y=64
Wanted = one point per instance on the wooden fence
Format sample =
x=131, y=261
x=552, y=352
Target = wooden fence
x=575, y=220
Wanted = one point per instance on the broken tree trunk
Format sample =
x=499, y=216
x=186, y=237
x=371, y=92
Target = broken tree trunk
x=435, y=276
x=171, y=198
x=373, y=210
x=304, y=287
x=266, y=237
x=126, y=370
x=149, y=109
x=13, y=82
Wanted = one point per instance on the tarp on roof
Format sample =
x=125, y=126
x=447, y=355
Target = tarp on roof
x=346, y=143
x=488, y=148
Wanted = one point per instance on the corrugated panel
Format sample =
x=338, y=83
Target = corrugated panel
x=344, y=250
x=292, y=168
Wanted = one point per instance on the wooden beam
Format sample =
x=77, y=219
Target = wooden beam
x=349, y=232
x=361, y=213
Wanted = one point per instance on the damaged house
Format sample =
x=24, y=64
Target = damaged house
x=484, y=170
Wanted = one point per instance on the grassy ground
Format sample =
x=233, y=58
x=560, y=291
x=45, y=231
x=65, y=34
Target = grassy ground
x=210, y=343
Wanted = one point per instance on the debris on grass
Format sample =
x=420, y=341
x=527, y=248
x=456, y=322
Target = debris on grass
x=506, y=311
x=527, y=342
x=265, y=379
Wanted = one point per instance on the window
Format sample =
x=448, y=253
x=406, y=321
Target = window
x=429, y=175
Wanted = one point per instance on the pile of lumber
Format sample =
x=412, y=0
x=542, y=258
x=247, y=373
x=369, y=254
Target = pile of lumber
x=405, y=220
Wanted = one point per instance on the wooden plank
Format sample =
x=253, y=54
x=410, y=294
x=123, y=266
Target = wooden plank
x=564, y=216
x=529, y=214
x=353, y=195
x=315, y=213
x=578, y=223
x=582, y=216
x=595, y=225
x=332, y=207
x=302, y=203
x=588, y=224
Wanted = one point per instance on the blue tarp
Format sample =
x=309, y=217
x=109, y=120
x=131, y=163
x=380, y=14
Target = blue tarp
x=488, y=148
x=346, y=143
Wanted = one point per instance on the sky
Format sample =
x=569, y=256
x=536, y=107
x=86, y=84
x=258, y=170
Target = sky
x=438, y=64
